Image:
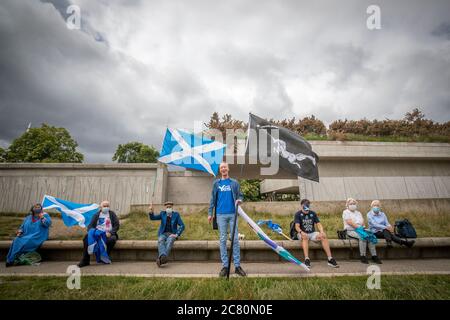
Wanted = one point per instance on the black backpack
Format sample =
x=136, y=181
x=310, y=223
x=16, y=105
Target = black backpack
x=404, y=229
x=292, y=232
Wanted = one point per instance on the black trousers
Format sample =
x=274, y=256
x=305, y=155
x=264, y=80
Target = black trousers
x=110, y=243
x=389, y=236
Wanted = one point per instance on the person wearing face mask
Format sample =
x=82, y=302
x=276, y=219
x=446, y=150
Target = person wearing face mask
x=353, y=219
x=306, y=222
x=380, y=226
x=30, y=235
x=170, y=229
x=102, y=229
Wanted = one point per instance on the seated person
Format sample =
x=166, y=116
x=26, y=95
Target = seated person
x=30, y=235
x=101, y=236
x=353, y=219
x=170, y=229
x=380, y=226
x=305, y=222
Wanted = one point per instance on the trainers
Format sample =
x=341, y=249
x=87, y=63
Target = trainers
x=308, y=263
x=332, y=263
x=223, y=272
x=364, y=259
x=163, y=259
x=409, y=244
x=158, y=262
x=240, y=271
x=376, y=260
x=83, y=264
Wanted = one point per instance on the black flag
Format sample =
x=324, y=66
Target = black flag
x=295, y=153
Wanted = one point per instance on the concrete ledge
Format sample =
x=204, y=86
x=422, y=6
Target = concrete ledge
x=202, y=250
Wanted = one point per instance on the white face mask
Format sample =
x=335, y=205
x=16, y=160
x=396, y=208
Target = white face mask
x=352, y=207
x=105, y=210
x=169, y=211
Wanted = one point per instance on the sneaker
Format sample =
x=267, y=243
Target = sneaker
x=83, y=264
x=223, y=272
x=158, y=262
x=332, y=263
x=240, y=271
x=308, y=263
x=364, y=260
x=8, y=264
x=376, y=260
x=163, y=259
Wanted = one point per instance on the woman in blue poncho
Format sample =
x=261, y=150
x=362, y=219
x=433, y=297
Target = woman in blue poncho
x=31, y=234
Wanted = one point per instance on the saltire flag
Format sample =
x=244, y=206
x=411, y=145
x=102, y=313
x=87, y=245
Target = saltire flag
x=185, y=149
x=275, y=227
x=72, y=213
x=295, y=153
x=272, y=244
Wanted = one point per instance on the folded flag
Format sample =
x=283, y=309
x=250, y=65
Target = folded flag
x=272, y=244
x=273, y=226
x=97, y=245
x=72, y=213
x=187, y=150
x=366, y=235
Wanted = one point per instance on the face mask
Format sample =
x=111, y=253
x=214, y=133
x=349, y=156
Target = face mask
x=169, y=211
x=306, y=208
x=376, y=209
x=105, y=210
x=352, y=207
x=37, y=210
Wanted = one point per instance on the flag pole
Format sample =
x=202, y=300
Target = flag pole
x=232, y=240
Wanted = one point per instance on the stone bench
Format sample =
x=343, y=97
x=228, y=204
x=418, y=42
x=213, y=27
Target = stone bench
x=251, y=250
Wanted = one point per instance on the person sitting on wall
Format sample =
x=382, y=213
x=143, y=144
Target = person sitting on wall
x=354, y=220
x=30, y=235
x=305, y=222
x=380, y=226
x=101, y=235
x=171, y=228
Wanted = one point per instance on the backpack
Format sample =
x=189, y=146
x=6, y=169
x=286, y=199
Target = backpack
x=292, y=232
x=404, y=229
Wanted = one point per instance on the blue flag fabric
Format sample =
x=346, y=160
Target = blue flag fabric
x=72, y=213
x=97, y=245
x=187, y=150
x=273, y=226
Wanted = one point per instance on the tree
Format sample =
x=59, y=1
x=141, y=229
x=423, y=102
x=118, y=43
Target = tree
x=135, y=152
x=251, y=189
x=44, y=144
x=2, y=155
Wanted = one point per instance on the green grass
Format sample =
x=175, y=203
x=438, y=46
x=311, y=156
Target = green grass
x=137, y=226
x=100, y=287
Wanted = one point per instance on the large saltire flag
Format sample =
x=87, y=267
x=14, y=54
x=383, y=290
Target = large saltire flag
x=72, y=213
x=272, y=244
x=185, y=149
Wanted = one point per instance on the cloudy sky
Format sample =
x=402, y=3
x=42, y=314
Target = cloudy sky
x=137, y=66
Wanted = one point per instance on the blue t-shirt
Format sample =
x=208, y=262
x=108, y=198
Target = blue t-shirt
x=225, y=203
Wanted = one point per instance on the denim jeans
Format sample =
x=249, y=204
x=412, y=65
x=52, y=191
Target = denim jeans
x=225, y=221
x=165, y=244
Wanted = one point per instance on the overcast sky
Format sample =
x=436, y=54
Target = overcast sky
x=137, y=66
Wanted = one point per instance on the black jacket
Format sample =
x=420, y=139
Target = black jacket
x=114, y=222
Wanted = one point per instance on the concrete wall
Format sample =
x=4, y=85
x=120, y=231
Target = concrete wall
x=24, y=184
x=363, y=170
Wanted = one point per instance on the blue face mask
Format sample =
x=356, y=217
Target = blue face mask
x=105, y=210
x=376, y=209
x=306, y=208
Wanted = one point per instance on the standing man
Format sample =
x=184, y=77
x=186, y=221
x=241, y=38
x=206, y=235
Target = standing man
x=170, y=229
x=306, y=222
x=225, y=196
x=105, y=220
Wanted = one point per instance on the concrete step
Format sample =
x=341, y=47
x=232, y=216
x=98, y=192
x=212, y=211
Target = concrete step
x=211, y=269
x=251, y=250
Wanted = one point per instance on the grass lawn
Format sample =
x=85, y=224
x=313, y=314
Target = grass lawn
x=137, y=226
x=99, y=287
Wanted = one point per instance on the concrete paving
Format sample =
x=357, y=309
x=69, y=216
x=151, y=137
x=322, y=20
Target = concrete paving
x=211, y=269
